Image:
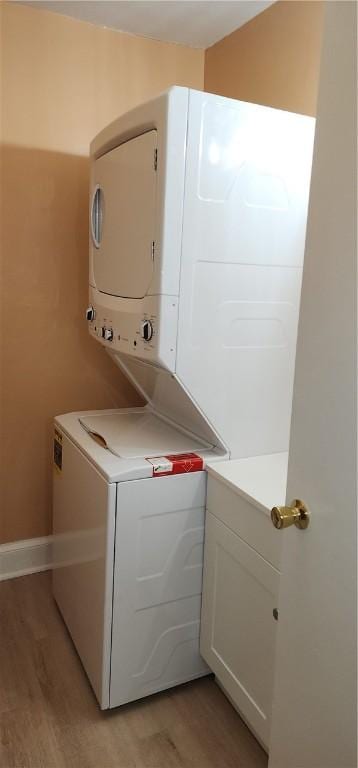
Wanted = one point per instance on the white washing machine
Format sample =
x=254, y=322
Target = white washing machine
x=128, y=549
x=198, y=213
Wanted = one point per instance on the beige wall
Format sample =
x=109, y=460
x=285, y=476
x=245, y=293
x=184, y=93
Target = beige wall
x=63, y=80
x=273, y=59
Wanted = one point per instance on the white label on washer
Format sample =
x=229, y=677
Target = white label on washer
x=161, y=464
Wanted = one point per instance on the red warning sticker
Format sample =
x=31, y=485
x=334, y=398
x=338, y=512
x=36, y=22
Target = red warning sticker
x=177, y=464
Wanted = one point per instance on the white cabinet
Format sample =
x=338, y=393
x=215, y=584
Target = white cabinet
x=241, y=581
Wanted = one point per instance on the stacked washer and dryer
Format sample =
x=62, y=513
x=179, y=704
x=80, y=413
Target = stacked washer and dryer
x=198, y=213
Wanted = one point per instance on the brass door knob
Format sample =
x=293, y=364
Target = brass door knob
x=297, y=514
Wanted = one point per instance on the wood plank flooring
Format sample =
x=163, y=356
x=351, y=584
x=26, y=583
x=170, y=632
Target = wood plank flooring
x=49, y=717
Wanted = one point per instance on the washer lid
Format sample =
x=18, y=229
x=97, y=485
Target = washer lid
x=139, y=434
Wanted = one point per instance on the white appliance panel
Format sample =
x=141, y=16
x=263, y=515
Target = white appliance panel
x=245, y=207
x=157, y=585
x=167, y=396
x=125, y=318
x=167, y=115
x=123, y=214
x=84, y=508
x=239, y=337
x=247, y=186
x=117, y=322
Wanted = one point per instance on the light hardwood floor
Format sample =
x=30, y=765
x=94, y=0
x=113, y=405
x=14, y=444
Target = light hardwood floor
x=49, y=717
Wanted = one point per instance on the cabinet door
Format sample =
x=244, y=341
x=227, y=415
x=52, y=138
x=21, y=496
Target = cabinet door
x=123, y=217
x=237, y=623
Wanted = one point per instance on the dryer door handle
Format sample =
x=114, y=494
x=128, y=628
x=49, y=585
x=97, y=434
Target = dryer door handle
x=97, y=216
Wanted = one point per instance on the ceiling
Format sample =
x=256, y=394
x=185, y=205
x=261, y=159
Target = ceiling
x=197, y=23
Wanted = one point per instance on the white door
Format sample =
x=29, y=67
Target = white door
x=238, y=630
x=314, y=721
x=122, y=217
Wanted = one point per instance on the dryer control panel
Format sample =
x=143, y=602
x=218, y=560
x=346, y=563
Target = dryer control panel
x=132, y=327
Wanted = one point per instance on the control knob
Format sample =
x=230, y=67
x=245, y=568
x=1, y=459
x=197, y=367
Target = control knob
x=146, y=330
x=90, y=314
x=107, y=334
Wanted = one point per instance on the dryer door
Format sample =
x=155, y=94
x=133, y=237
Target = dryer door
x=122, y=218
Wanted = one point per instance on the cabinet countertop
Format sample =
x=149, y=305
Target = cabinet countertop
x=260, y=479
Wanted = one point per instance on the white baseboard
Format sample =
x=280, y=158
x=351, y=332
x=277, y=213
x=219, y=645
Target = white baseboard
x=19, y=558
